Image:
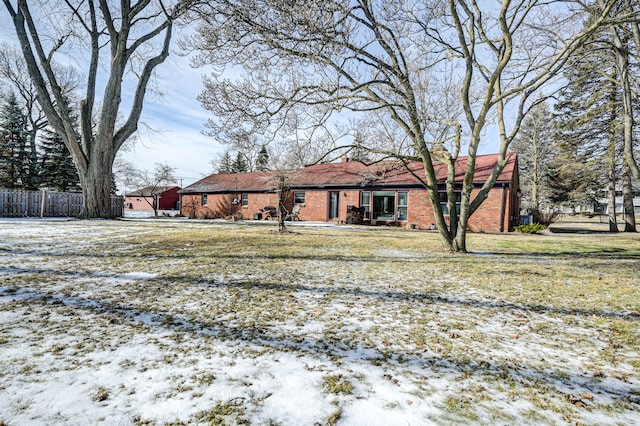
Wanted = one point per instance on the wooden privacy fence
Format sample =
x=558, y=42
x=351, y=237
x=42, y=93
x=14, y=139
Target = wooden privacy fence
x=44, y=203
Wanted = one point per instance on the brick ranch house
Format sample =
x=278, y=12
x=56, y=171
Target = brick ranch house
x=386, y=192
x=142, y=199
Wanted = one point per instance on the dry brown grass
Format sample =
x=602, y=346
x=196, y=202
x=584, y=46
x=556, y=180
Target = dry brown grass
x=528, y=322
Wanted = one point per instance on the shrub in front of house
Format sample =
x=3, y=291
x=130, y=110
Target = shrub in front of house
x=544, y=218
x=203, y=212
x=532, y=228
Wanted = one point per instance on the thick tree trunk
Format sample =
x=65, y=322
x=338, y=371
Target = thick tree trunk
x=627, y=199
x=460, y=241
x=93, y=151
x=96, y=189
x=621, y=52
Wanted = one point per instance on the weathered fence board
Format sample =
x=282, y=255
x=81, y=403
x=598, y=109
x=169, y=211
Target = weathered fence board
x=19, y=203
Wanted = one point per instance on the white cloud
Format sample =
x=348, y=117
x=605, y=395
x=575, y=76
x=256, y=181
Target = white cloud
x=171, y=125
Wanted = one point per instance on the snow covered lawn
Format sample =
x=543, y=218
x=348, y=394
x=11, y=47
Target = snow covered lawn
x=161, y=322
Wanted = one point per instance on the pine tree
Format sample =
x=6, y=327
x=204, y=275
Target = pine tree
x=589, y=118
x=56, y=166
x=262, y=161
x=240, y=164
x=586, y=131
x=16, y=170
x=534, y=154
x=113, y=189
x=225, y=166
x=359, y=151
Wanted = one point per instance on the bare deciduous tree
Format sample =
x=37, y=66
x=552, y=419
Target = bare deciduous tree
x=626, y=45
x=151, y=185
x=129, y=40
x=15, y=77
x=437, y=72
x=279, y=181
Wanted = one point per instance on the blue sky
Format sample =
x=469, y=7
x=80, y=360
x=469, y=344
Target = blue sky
x=171, y=127
x=176, y=118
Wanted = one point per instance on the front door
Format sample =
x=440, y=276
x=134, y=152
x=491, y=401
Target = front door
x=334, y=201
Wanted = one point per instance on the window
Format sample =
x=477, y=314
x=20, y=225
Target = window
x=402, y=205
x=444, y=200
x=385, y=205
x=298, y=197
x=365, y=201
x=244, y=199
x=204, y=199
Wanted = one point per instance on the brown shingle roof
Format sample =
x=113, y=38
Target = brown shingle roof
x=349, y=174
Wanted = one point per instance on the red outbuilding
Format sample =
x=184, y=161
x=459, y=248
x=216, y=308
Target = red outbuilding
x=166, y=197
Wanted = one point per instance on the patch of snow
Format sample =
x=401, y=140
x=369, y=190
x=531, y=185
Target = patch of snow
x=84, y=343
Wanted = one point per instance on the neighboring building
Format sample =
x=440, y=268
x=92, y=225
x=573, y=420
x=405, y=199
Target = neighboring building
x=603, y=201
x=385, y=192
x=142, y=199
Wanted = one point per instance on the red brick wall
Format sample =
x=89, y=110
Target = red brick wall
x=420, y=212
x=316, y=207
x=221, y=205
x=256, y=203
x=488, y=216
x=218, y=205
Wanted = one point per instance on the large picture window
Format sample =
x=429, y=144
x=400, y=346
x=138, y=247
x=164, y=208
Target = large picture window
x=385, y=205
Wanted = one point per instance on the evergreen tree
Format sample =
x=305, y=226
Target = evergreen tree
x=16, y=170
x=534, y=154
x=589, y=116
x=240, y=164
x=570, y=178
x=225, y=166
x=586, y=131
x=359, y=152
x=262, y=161
x=114, y=186
x=56, y=166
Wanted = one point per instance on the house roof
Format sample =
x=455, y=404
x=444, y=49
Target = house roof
x=349, y=174
x=150, y=191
